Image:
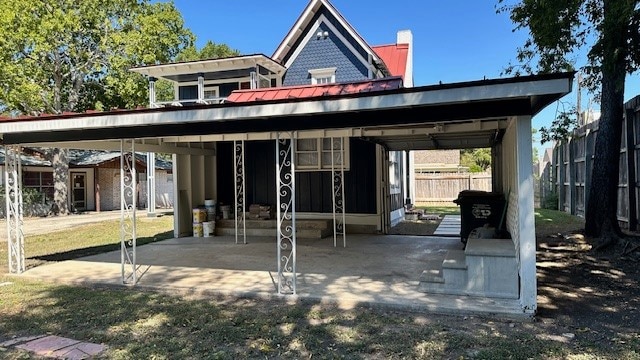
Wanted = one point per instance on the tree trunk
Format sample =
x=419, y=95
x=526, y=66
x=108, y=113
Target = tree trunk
x=601, y=213
x=60, y=164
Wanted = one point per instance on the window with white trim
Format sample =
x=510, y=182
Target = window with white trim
x=210, y=92
x=315, y=154
x=323, y=76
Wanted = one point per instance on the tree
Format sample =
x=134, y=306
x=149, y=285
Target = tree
x=68, y=55
x=210, y=50
x=477, y=160
x=609, y=30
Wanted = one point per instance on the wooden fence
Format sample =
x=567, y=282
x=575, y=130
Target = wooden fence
x=442, y=189
x=568, y=176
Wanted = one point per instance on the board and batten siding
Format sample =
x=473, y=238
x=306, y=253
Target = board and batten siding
x=313, y=188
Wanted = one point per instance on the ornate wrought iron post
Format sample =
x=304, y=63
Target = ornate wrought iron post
x=286, y=197
x=238, y=171
x=337, y=179
x=13, y=199
x=128, y=196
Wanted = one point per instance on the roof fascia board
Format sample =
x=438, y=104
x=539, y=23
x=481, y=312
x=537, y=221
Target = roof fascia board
x=378, y=101
x=310, y=35
x=115, y=146
x=209, y=66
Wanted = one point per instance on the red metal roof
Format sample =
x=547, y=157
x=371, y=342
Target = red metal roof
x=310, y=91
x=394, y=56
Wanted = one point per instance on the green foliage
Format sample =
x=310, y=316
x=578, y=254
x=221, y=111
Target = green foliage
x=561, y=127
x=210, y=50
x=477, y=160
x=558, y=30
x=70, y=55
x=550, y=202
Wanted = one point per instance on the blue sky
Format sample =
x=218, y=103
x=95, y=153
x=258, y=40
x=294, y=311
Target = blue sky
x=454, y=40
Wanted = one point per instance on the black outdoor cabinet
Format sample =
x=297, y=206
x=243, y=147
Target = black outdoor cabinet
x=480, y=208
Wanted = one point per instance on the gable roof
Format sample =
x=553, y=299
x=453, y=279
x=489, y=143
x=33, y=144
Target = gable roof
x=297, y=32
x=395, y=57
x=312, y=91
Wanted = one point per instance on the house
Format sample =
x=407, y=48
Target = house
x=320, y=131
x=321, y=54
x=94, y=180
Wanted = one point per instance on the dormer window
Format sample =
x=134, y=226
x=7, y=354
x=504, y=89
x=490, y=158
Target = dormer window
x=323, y=76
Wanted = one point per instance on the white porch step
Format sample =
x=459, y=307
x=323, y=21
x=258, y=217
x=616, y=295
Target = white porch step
x=493, y=268
x=487, y=268
x=452, y=279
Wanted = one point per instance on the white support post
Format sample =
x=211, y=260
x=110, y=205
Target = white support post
x=286, y=208
x=152, y=92
x=14, y=209
x=200, y=88
x=238, y=171
x=151, y=184
x=526, y=218
x=254, y=80
x=337, y=180
x=128, y=195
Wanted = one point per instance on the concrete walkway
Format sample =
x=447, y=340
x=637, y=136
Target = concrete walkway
x=371, y=270
x=449, y=226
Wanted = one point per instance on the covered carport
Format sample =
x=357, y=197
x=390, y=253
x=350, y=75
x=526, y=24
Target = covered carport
x=494, y=113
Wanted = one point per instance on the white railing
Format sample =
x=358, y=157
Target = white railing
x=187, y=102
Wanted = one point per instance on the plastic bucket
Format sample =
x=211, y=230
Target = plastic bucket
x=199, y=215
x=210, y=208
x=197, y=229
x=208, y=228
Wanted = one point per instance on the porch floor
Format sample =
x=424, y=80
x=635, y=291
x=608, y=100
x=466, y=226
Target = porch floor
x=372, y=270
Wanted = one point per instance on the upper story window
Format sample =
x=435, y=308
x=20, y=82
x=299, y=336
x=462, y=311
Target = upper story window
x=323, y=76
x=210, y=92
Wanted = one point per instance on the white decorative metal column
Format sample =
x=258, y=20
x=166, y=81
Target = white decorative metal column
x=128, y=196
x=337, y=180
x=13, y=199
x=286, y=197
x=238, y=174
x=151, y=184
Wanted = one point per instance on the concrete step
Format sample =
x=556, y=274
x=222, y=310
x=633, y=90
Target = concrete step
x=300, y=233
x=452, y=279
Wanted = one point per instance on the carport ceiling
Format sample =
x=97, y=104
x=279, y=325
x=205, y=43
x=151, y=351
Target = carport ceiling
x=457, y=135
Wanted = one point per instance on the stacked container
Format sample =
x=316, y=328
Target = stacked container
x=199, y=217
x=209, y=225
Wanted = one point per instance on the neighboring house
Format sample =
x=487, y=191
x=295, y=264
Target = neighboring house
x=437, y=161
x=321, y=54
x=94, y=180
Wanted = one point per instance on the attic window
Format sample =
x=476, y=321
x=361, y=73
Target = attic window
x=323, y=76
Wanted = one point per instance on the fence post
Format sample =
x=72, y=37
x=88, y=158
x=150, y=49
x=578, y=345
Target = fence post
x=631, y=171
x=561, y=176
x=572, y=176
x=588, y=161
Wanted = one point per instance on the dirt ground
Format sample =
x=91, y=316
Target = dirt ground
x=582, y=293
x=595, y=294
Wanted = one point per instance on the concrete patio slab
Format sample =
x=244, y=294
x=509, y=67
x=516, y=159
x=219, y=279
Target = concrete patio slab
x=372, y=270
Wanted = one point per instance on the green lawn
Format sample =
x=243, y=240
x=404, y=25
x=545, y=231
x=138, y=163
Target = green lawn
x=87, y=240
